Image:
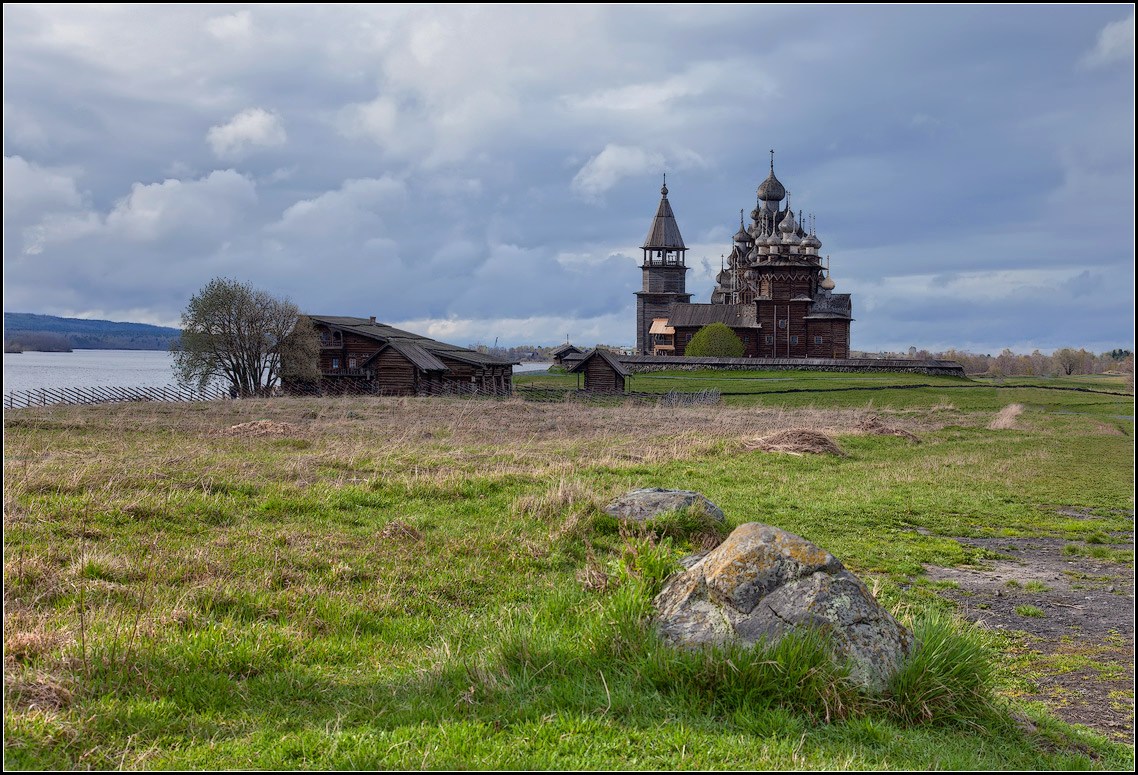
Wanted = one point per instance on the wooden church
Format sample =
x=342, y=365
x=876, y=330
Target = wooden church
x=773, y=290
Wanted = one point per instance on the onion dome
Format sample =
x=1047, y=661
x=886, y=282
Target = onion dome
x=789, y=229
x=742, y=236
x=828, y=283
x=771, y=190
x=811, y=241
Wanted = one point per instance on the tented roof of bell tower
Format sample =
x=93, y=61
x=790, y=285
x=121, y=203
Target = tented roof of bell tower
x=665, y=232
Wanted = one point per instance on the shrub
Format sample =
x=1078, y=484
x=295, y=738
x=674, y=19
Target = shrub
x=714, y=340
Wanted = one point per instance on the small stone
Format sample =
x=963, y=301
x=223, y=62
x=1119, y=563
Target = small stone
x=645, y=504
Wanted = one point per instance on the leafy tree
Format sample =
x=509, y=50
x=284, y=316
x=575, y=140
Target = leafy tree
x=236, y=333
x=715, y=339
x=1070, y=361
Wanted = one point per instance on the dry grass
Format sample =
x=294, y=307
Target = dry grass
x=26, y=640
x=874, y=426
x=1006, y=418
x=593, y=576
x=401, y=531
x=797, y=441
x=258, y=428
x=35, y=690
x=410, y=442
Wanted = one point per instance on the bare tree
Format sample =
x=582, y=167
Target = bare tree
x=236, y=333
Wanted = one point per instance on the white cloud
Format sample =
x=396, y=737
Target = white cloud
x=617, y=162
x=1115, y=44
x=30, y=187
x=251, y=128
x=201, y=207
x=660, y=95
x=349, y=209
x=151, y=212
x=234, y=26
x=612, y=165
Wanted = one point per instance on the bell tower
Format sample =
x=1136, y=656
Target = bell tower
x=664, y=271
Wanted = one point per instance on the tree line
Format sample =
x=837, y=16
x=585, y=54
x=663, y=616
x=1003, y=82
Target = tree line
x=1066, y=361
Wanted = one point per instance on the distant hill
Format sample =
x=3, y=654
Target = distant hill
x=84, y=334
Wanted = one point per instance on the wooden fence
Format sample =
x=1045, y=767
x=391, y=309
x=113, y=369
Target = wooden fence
x=21, y=399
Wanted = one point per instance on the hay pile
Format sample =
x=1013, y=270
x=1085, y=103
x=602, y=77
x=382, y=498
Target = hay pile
x=1006, y=419
x=258, y=428
x=796, y=441
x=873, y=426
x=400, y=531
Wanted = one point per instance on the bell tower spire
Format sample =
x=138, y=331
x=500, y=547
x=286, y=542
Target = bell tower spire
x=664, y=269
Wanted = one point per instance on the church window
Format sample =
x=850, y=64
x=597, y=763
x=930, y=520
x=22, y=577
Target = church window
x=794, y=340
x=817, y=340
x=770, y=338
x=335, y=364
x=352, y=362
x=782, y=323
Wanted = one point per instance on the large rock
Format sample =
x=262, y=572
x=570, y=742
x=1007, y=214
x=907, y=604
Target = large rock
x=649, y=503
x=763, y=582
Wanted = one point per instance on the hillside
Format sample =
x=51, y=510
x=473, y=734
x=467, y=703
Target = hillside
x=26, y=329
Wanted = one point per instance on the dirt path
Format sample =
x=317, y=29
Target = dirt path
x=1073, y=615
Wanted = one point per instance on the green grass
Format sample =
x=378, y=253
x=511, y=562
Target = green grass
x=425, y=583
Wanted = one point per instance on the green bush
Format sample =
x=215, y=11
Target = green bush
x=714, y=340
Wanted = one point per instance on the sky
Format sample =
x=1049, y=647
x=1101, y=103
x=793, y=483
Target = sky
x=486, y=174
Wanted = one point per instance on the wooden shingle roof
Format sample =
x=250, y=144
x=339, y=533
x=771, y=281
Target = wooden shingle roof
x=665, y=232
x=733, y=315
x=422, y=359
x=382, y=332
x=609, y=358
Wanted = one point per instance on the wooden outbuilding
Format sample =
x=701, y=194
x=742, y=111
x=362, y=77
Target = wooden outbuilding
x=565, y=350
x=604, y=373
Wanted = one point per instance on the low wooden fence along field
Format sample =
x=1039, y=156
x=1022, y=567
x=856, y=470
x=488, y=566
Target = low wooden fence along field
x=671, y=398
x=21, y=399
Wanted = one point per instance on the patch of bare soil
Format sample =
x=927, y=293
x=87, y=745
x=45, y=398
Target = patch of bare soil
x=1074, y=612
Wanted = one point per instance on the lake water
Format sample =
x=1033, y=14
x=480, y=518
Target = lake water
x=87, y=368
x=105, y=368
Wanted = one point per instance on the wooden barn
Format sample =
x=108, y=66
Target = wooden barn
x=359, y=355
x=604, y=373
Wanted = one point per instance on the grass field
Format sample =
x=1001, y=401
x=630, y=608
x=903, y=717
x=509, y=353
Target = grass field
x=431, y=583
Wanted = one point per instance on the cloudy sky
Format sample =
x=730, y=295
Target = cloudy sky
x=488, y=172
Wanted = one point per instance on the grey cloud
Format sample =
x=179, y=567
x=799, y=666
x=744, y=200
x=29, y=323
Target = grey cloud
x=982, y=147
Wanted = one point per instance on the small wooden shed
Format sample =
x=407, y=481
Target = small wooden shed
x=604, y=373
